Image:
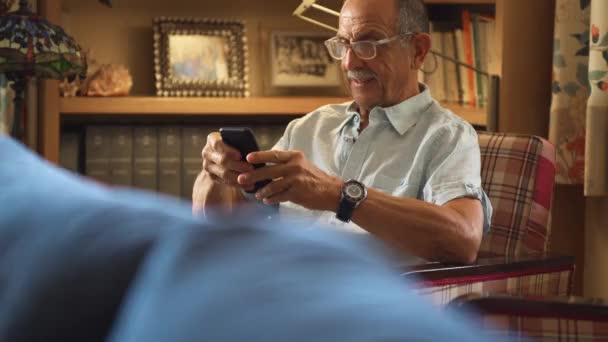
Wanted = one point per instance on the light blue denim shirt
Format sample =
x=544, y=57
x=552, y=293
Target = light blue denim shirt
x=415, y=149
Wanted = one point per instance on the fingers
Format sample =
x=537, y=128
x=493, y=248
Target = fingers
x=273, y=156
x=281, y=197
x=267, y=172
x=222, y=162
x=276, y=190
x=215, y=142
x=219, y=158
x=221, y=174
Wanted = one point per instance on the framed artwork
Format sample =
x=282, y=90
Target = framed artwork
x=7, y=6
x=301, y=60
x=200, y=57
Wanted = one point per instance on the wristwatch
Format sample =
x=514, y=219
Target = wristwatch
x=353, y=193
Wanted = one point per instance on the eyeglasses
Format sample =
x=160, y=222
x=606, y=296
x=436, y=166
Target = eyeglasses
x=364, y=49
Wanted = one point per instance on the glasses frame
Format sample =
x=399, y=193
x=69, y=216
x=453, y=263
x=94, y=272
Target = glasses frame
x=374, y=43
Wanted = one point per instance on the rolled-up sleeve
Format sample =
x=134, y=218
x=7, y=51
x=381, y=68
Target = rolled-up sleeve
x=455, y=170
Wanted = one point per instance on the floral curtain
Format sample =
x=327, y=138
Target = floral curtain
x=596, y=147
x=570, y=88
x=579, y=107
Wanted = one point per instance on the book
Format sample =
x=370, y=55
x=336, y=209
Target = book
x=145, y=158
x=487, y=51
x=467, y=35
x=437, y=81
x=70, y=151
x=264, y=137
x=277, y=133
x=464, y=72
x=268, y=135
x=492, y=53
x=121, y=156
x=97, y=153
x=451, y=70
x=478, y=41
x=170, y=160
x=193, y=141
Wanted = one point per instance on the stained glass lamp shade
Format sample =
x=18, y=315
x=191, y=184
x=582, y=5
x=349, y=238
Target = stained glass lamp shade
x=30, y=46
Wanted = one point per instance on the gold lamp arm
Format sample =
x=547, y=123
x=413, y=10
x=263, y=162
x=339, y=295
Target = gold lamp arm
x=306, y=5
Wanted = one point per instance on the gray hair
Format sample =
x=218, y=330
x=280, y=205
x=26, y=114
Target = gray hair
x=413, y=17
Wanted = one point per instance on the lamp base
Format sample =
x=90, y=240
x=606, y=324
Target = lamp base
x=18, y=127
x=5, y=105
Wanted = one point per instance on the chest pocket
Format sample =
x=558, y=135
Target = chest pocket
x=395, y=186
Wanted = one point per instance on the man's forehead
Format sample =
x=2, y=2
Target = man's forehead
x=357, y=15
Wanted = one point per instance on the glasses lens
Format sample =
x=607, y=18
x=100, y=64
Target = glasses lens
x=336, y=47
x=365, y=50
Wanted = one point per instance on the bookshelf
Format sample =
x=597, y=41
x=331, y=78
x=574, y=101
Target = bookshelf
x=246, y=107
x=523, y=44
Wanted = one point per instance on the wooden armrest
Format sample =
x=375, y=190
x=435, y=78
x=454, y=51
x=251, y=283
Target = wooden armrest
x=487, y=268
x=573, y=308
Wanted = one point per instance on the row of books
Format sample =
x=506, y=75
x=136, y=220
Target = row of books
x=470, y=41
x=166, y=159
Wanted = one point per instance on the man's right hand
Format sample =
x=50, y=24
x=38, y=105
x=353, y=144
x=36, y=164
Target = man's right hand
x=223, y=163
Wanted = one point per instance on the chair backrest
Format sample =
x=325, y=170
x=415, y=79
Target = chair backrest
x=518, y=173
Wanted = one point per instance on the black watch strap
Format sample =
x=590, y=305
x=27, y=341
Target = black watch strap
x=345, y=210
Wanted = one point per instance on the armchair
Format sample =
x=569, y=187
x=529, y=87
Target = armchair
x=518, y=176
x=526, y=318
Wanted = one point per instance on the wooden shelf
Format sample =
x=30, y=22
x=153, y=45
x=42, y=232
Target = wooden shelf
x=133, y=105
x=194, y=106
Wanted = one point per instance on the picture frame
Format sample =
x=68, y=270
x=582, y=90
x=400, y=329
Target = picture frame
x=300, y=59
x=200, y=57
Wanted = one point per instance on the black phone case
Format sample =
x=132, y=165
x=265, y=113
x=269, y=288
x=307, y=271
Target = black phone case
x=243, y=139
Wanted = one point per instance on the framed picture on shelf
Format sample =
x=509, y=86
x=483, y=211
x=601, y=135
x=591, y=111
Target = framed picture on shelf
x=300, y=59
x=200, y=57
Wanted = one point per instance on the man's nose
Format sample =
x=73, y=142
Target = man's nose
x=351, y=61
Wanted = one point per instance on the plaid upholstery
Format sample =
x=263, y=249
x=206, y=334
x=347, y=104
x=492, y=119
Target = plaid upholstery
x=537, y=318
x=524, y=328
x=545, y=284
x=517, y=174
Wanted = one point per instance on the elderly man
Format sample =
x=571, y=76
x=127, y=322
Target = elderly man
x=393, y=161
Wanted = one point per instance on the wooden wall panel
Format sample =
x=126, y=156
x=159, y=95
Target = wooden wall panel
x=527, y=47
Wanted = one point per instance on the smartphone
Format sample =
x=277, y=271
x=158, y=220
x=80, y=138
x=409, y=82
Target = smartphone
x=243, y=139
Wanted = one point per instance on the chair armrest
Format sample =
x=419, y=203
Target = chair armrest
x=486, y=269
x=570, y=308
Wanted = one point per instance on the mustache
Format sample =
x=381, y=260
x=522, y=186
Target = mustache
x=361, y=75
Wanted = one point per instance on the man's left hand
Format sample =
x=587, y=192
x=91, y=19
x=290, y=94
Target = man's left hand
x=295, y=179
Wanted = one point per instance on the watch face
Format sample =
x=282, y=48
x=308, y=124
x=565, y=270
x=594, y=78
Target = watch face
x=354, y=191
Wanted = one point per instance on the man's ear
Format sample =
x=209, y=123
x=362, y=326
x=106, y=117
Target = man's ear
x=421, y=43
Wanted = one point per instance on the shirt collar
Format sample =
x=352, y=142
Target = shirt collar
x=352, y=112
x=402, y=115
